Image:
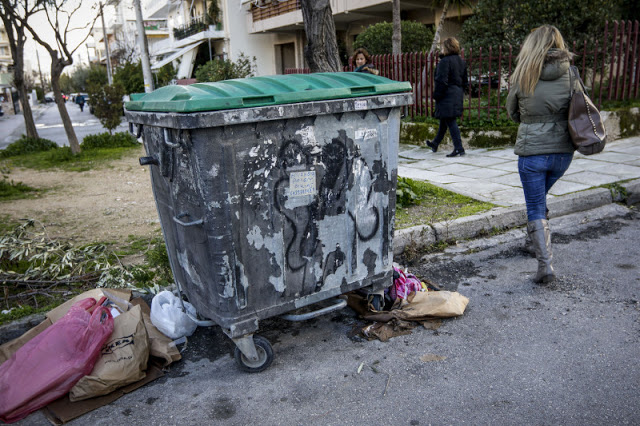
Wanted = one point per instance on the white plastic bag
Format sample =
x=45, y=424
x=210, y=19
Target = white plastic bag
x=168, y=317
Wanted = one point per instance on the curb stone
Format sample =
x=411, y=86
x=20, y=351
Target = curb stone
x=504, y=218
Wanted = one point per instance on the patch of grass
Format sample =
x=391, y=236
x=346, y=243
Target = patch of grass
x=10, y=190
x=26, y=145
x=64, y=159
x=23, y=311
x=436, y=205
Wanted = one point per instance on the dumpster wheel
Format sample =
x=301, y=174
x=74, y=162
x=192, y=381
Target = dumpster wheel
x=265, y=356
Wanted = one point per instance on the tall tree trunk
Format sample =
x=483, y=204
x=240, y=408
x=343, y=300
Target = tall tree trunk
x=29, y=122
x=16, y=44
x=56, y=70
x=436, y=36
x=396, y=39
x=321, y=51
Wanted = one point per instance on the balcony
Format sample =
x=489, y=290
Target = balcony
x=265, y=9
x=196, y=26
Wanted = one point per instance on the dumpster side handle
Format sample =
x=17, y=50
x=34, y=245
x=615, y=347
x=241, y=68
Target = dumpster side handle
x=340, y=303
x=177, y=220
x=167, y=139
x=138, y=131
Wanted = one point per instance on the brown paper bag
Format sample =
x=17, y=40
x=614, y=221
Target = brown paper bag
x=429, y=304
x=160, y=346
x=123, y=359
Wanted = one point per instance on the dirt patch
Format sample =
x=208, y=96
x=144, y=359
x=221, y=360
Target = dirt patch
x=105, y=204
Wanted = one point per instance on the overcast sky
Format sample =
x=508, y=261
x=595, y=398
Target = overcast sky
x=83, y=16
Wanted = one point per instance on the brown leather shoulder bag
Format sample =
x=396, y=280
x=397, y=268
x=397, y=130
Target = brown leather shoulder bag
x=585, y=123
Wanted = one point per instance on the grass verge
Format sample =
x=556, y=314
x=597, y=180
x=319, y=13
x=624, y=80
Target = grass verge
x=10, y=190
x=433, y=204
x=64, y=159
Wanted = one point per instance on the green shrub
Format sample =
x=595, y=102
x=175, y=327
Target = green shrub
x=26, y=145
x=376, y=38
x=405, y=196
x=106, y=140
x=106, y=103
x=218, y=70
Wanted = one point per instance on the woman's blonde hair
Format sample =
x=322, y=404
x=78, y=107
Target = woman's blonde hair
x=451, y=46
x=532, y=55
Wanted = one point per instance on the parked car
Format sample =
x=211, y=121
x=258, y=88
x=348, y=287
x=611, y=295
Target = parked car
x=48, y=97
x=1, y=111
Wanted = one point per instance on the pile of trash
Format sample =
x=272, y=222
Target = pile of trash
x=408, y=303
x=88, y=352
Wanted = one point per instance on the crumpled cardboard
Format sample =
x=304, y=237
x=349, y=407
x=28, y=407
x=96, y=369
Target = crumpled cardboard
x=161, y=348
x=420, y=307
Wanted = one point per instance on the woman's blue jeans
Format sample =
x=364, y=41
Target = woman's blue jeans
x=452, y=124
x=538, y=173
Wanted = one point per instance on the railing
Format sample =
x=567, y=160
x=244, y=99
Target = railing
x=610, y=68
x=194, y=27
x=265, y=9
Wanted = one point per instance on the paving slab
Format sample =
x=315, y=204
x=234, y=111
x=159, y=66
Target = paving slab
x=621, y=171
x=483, y=173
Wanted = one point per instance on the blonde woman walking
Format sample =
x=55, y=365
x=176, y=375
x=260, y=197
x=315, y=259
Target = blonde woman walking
x=539, y=101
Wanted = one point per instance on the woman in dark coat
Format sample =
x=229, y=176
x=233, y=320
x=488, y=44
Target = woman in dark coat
x=451, y=82
x=362, y=62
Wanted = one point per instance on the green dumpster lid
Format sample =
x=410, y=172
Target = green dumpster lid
x=263, y=91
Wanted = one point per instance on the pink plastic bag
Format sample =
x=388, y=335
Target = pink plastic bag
x=404, y=285
x=48, y=366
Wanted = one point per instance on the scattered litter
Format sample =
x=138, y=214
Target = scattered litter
x=432, y=357
x=409, y=302
x=360, y=367
x=167, y=315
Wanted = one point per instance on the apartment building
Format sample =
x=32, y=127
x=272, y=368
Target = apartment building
x=6, y=60
x=122, y=33
x=272, y=31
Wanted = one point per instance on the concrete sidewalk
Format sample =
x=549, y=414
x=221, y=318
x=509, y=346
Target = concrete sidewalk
x=492, y=175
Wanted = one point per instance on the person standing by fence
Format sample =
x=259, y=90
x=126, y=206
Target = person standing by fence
x=362, y=62
x=451, y=82
x=539, y=101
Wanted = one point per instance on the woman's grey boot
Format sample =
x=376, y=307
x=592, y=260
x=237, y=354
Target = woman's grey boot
x=528, y=245
x=541, y=239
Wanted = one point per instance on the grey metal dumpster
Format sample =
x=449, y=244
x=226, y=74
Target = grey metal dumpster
x=273, y=193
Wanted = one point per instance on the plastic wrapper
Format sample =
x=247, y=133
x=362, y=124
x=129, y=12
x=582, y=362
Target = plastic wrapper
x=50, y=364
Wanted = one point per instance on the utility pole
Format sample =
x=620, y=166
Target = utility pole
x=40, y=70
x=106, y=47
x=144, y=49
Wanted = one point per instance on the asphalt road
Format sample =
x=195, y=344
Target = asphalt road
x=49, y=124
x=521, y=354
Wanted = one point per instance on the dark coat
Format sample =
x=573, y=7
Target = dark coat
x=451, y=82
x=368, y=68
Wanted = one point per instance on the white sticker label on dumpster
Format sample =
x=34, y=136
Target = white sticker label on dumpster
x=366, y=133
x=302, y=183
x=360, y=105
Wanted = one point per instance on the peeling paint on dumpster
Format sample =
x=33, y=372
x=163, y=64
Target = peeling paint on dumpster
x=261, y=217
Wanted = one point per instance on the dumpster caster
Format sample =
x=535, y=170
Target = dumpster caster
x=263, y=352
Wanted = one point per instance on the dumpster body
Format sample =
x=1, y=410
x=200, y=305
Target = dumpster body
x=269, y=208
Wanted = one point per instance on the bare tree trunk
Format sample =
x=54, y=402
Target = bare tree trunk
x=29, y=122
x=396, y=39
x=321, y=51
x=16, y=44
x=56, y=71
x=436, y=36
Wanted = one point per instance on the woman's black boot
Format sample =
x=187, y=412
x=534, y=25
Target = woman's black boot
x=433, y=146
x=456, y=152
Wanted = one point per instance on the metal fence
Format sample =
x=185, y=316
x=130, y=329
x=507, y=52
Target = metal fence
x=609, y=66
